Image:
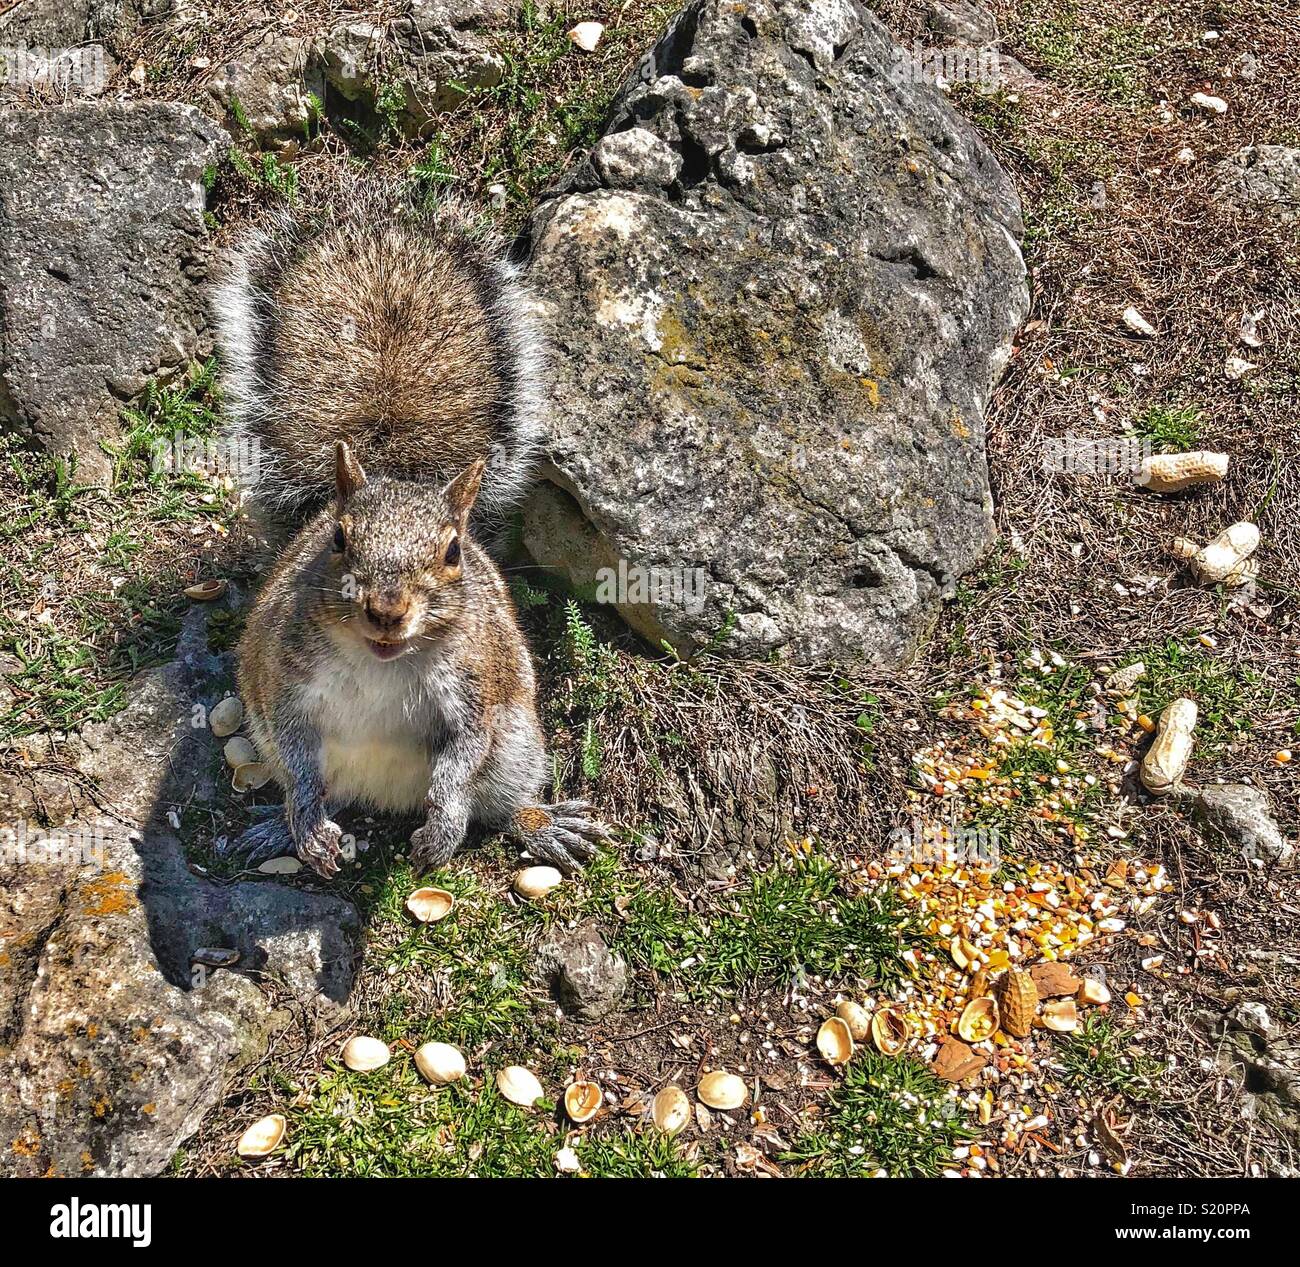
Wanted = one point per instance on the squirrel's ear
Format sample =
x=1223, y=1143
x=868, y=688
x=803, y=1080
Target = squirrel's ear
x=462, y=491
x=348, y=475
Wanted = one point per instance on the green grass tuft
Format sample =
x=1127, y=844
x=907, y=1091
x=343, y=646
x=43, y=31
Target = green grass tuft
x=1169, y=428
x=888, y=1114
x=1098, y=1056
x=790, y=921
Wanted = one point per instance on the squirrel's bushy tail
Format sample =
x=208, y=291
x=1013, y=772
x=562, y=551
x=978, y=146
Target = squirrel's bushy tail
x=405, y=332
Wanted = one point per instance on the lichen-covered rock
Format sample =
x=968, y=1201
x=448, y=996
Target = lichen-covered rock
x=451, y=46
x=961, y=20
x=587, y=977
x=1262, y=180
x=99, y=262
x=624, y=160
x=61, y=24
x=112, y=1043
x=1267, y=1064
x=774, y=350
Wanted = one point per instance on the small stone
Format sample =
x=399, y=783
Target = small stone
x=1211, y=105
x=1138, y=323
x=1254, y=1018
x=587, y=978
x=215, y=957
x=1242, y=817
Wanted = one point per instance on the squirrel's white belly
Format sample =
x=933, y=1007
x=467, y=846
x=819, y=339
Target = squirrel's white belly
x=375, y=746
x=387, y=775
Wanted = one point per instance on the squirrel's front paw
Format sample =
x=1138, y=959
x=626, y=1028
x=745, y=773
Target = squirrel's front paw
x=433, y=845
x=322, y=847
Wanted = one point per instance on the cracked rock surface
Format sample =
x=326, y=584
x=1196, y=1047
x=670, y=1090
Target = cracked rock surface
x=780, y=290
x=1262, y=180
x=113, y=1045
x=101, y=260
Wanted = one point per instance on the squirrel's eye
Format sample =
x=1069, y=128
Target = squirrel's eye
x=340, y=540
x=452, y=557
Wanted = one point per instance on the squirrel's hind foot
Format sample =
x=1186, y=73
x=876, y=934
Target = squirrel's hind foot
x=263, y=841
x=271, y=838
x=564, y=835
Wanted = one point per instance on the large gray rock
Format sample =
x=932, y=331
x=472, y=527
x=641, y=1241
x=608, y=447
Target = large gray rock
x=449, y=47
x=102, y=244
x=273, y=82
x=112, y=1045
x=1262, y=180
x=52, y=49
x=780, y=291
x=1269, y=1061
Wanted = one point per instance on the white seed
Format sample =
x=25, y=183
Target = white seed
x=225, y=717
x=239, y=751
x=535, y=882
x=280, y=866
x=440, y=1063
x=363, y=1054
x=519, y=1085
x=262, y=1137
x=1138, y=323
x=586, y=35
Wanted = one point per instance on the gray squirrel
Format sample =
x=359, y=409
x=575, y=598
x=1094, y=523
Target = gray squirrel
x=384, y=363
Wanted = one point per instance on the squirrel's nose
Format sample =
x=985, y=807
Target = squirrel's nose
x=386, y=611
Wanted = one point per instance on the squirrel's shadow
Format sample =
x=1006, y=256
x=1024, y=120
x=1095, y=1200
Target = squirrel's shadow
x=290, y=937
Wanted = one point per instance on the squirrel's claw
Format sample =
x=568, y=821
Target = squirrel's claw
x=322, y=847
x=432, y=846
